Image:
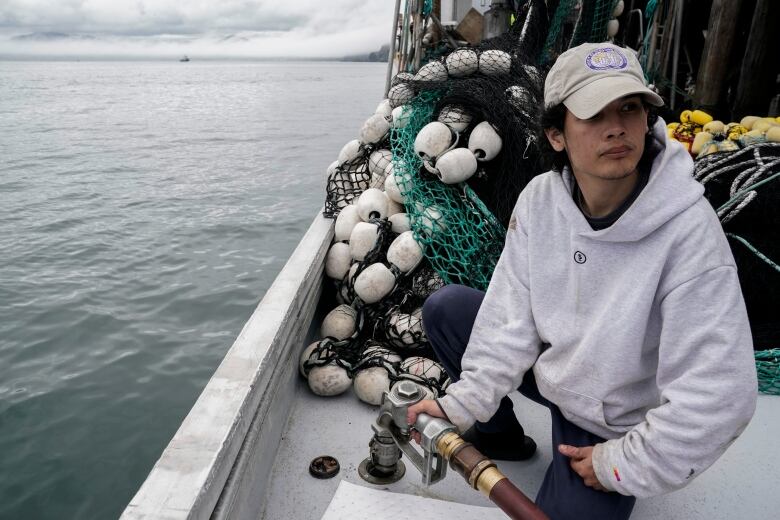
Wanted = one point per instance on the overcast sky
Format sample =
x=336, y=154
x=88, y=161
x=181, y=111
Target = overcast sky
x=241, y=28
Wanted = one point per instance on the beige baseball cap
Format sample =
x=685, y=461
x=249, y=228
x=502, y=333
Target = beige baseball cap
x=588, y=77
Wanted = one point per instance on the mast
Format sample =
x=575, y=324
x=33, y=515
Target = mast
x=391, y=56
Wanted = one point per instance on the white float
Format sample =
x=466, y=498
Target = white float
x=392, y=190
x=405, y=253
x=349, y=152
x=400, y=94
x=407, y=328
x=433, y=140
x=372, y=203
x=329, y=380
x=494, y=62
x=372, y=382
x=520, y=98
x=434, y=71
x=456, y=166
x=400, y=223
x=431, y=219
x=401, y=116
x=613, y=26
x=337, y=261
x=384, y=108
x=484, y=142
x=374, y=283
x=346, y=221
x=340, y=323
x=422, y=367
x=402, y=76
x=374, y=129
x=362, y=240
x=393, y=207
x=454, y=117
x=331, y=169
x=462, y=62
x=378, y=161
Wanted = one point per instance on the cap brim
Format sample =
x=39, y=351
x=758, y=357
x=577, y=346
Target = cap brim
x=590, y=99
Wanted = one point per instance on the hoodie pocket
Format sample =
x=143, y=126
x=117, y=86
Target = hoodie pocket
x=571, y=403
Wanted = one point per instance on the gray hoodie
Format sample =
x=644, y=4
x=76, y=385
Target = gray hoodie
x=637, y=332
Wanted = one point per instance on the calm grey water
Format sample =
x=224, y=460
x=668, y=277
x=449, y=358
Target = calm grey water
x=144, y=210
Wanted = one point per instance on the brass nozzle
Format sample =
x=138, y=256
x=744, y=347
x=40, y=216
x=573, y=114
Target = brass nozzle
x=448, y=443
x=482, y=475
x=488, y=479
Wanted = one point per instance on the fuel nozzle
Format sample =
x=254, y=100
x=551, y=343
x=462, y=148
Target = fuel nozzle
x=392, y=436
x=440, y=444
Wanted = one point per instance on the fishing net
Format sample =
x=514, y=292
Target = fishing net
x=768, y=367
x=378, y=162
x=377, y=254
x=462, y=226
x=592, y=17
x=346, y=183
x=592, y=23
x=744, y=188
x=345, y=354
x=460, y=237
x=425, y=372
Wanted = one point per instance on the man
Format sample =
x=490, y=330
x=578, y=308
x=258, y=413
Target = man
x=615, y=303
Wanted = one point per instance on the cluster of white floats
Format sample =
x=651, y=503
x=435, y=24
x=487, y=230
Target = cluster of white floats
x=359, y=229
x=380, y=203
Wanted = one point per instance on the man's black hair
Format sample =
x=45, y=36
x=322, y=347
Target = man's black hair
x=554, y=116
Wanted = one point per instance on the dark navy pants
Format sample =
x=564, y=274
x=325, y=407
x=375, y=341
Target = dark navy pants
x=448, y=317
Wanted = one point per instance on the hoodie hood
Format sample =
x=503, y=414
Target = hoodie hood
x=670, y=190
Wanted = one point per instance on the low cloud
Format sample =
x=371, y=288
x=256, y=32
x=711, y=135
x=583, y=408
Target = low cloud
x=234, y=28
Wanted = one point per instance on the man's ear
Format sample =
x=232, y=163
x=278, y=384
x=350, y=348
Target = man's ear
x=556, y=139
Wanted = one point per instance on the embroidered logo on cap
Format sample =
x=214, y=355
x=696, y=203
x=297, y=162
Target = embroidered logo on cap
x=606, y=58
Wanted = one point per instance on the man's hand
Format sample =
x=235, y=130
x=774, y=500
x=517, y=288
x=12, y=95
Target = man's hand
x=582, y=464
x=428, y=406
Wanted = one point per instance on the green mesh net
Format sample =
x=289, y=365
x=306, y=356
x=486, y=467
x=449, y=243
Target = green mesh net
x=554, y=43
x=592, y=18
x=768, y=367
x=461, y=237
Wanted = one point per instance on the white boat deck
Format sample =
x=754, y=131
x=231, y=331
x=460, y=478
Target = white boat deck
x=741, y=485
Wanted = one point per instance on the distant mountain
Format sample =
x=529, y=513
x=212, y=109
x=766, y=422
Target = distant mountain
x=50, y=36
x=382, y=55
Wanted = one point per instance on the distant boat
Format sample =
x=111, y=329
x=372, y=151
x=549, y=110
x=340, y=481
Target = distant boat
x=184, y=58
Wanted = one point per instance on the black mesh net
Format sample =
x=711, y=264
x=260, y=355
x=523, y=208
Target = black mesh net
x=346, y=183
x=744, y=188
x=497, y=81
x=425, y=372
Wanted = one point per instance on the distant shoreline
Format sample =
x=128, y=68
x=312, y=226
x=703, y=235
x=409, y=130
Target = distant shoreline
x=167, y=59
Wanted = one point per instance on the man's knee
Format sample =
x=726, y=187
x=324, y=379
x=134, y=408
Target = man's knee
x=438, y=305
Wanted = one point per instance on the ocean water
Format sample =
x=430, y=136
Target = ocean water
x=145, y=207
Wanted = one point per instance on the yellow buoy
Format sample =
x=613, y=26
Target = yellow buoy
x=699, y=141
x=714, y=127
x=748, y=121
x=700, y=117
x=734, y=131
x=773, y=134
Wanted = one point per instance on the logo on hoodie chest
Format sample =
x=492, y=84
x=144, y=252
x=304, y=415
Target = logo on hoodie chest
x=580, y=257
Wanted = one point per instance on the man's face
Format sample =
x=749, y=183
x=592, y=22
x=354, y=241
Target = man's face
x=607, y=146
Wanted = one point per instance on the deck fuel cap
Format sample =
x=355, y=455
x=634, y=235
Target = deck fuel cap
x=324, y=466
